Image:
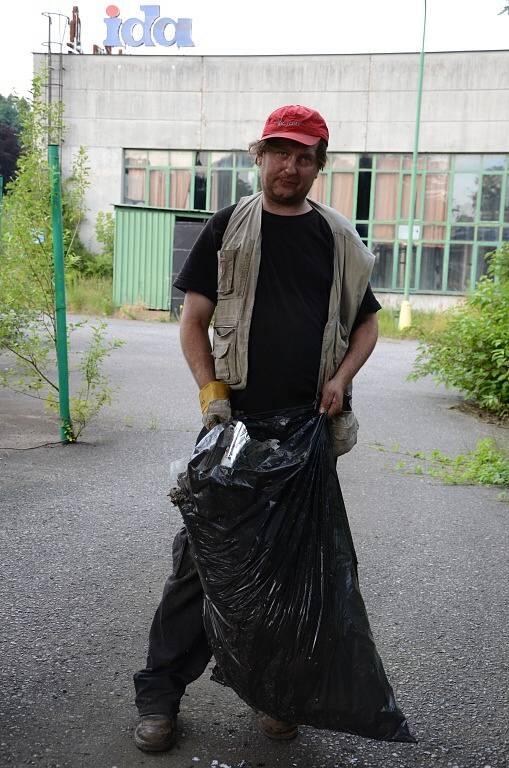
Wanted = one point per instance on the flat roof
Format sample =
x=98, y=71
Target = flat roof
x=273, y=55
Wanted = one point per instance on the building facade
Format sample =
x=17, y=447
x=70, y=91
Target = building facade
x=171, y=132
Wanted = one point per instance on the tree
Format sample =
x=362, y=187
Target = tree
x=9, y=152
x=10, y=108
x=27, y=297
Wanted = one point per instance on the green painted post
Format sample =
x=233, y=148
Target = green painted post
x=1, y=200
x=66, y=430
x=405, y=317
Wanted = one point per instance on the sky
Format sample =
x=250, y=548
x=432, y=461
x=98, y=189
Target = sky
x=263, y=27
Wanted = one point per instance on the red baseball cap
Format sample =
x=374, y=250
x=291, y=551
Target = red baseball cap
x=298, y=123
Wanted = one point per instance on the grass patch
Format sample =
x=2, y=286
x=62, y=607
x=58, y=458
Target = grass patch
x=487, y=464
x=422, y=323
x=90, y=295
x=93, y=296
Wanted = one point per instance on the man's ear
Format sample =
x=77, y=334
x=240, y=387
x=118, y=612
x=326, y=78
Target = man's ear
x=258, y=159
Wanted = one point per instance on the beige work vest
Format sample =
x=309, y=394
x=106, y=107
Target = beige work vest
x=238, y=267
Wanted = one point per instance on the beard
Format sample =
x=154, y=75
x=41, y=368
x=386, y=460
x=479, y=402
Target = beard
x=286, y=194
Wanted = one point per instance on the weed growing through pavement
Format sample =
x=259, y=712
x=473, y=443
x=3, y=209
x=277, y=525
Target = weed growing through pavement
x=153, y=423
x=486, y=464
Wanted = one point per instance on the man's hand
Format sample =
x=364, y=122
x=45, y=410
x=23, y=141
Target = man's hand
x=332, y=397
x=218, y=412
x=215, y=403
x=362, y=342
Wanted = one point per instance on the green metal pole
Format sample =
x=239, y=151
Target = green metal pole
x=1, y=200
x=405, y=317
x=66, y=430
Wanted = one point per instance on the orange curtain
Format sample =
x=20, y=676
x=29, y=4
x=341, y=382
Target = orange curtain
x=342, y=193
x=386, y=196
x=435, y=204
x=157, y=188
x=135, y=184
x=318, y=191
x=180, y=184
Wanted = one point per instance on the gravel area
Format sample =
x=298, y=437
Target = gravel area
x=85, y=548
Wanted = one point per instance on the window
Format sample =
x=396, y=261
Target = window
x=461, y=210
x=460, y=262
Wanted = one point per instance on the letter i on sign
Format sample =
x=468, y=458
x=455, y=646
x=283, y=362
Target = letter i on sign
x=113, y=23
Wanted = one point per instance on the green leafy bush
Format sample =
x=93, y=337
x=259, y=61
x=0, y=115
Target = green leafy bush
x=472, y=352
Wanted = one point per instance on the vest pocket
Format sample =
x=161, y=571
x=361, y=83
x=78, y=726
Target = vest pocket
x=224, y=351
x=343, y=432
x=225, y=270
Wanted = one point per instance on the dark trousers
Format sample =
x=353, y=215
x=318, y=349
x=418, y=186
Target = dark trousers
x=178, y=650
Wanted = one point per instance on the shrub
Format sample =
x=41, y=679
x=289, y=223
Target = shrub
x=472, y=352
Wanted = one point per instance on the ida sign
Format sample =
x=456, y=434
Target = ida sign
x=149, y=31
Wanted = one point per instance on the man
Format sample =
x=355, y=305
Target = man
x=295, y=319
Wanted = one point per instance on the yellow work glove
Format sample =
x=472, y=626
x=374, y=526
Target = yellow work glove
x=215, y=403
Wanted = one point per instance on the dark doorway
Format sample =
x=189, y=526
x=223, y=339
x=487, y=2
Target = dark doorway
x=184, y=237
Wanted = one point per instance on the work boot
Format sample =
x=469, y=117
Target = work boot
x=156, y=733
x=276, y=729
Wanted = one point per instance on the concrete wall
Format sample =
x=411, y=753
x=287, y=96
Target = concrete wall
x=215, y=102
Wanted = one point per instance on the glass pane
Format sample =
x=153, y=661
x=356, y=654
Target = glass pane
x=439, y=162
x=383, y=231
x=221, y=189
x=468, y=162
x=460, y=260
x=432, y=258
x=318, y=191
x=157, y=188
x=490, y=198
x=405, y=201
x=181, y=159
x=431, y=232
x=342, y=193
x=482, y=264
x=464, y=198
x=435, y=201
x=342, y=162
x=202, y=159
x=200, y=190
x=487, y=233
x=246, y=184
x=388, y=162
x=222, y=159
x=400, y=277
x=381, y=277
x=365, y=161
x=243, y=160
x=158, y=157
x=408, y=159
x=505, y=234
x=386, y=196
x=506, y=206
x=493, y=162
x=135, y=156
x=180, y=184
x=134, y=186
x=462, y=233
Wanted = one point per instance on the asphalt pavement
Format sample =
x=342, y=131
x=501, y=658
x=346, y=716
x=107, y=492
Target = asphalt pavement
x=85, y=547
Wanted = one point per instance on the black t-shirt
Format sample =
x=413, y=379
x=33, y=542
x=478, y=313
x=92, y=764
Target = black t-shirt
x=291, y=304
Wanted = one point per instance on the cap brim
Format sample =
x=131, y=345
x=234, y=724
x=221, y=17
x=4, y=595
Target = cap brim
x=301, y=138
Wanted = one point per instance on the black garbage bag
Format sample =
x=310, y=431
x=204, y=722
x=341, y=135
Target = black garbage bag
x=282, y=610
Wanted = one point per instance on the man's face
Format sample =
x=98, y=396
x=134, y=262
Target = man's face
x=287, y=171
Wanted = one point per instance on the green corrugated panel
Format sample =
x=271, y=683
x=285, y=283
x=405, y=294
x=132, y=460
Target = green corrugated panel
x=142, y=262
